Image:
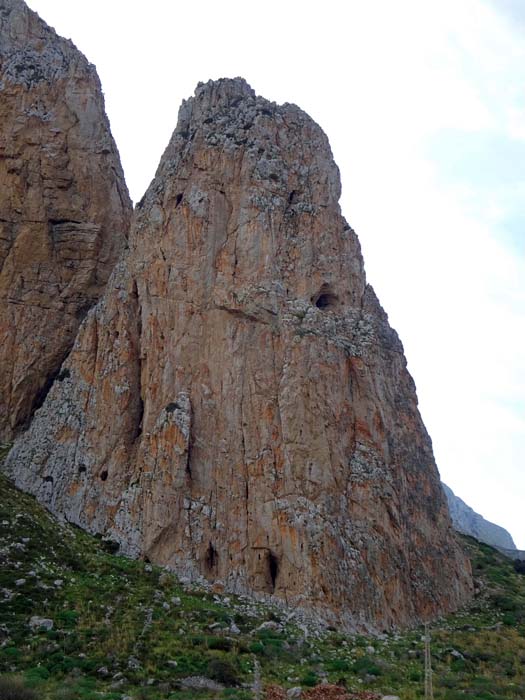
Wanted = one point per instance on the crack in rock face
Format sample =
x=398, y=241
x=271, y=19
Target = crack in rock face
x=64, y=206
x=236, y=406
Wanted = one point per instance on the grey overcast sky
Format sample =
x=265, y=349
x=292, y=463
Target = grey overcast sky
x=424, y=105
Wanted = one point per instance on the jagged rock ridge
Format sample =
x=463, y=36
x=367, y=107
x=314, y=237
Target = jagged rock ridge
x=467, y=521
x=64, y=205
x=237, y=406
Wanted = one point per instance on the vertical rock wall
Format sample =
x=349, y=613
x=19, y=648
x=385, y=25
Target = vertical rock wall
x=237, y=406
x=64, y=206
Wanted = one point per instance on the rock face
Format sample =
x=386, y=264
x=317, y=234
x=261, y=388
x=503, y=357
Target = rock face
x=469, y=522
x=237, y=406
x=64, y=206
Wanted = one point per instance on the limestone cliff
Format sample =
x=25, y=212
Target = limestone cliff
x=237, y=406
x=64, y=206
x=466, y=520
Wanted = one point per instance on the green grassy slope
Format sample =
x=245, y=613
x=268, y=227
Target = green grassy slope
x=125, y=629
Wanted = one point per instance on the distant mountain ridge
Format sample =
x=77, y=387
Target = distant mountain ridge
x=467, y=521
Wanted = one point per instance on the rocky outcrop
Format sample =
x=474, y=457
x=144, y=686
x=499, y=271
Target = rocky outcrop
x=237, y=406
x=469, y=522
x=64, y=206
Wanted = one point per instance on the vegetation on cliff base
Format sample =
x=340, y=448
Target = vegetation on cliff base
x=126, y=629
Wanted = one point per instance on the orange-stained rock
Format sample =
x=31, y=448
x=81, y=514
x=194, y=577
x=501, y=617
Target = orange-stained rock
x=236, y=406
x=64, y=206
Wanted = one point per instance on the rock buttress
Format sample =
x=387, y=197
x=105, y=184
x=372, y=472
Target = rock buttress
x=64, y=206
x=237, y=406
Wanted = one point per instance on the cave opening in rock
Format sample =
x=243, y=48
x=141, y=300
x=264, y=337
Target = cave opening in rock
x=139, y=418
x=325, y=298
x=64, y=374
x=211, y=557
x=273, y=567
x=104, y=475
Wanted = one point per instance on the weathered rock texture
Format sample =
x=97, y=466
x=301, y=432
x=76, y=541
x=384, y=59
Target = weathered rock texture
x=469, y=522
x=237, y=406
x=64, y=206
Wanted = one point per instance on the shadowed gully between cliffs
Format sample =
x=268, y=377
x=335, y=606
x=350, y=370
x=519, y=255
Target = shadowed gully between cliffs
x=236, y=405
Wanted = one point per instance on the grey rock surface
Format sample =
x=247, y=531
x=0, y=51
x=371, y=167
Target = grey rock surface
x=37, y=623
x=200, y=683
x=467, y=521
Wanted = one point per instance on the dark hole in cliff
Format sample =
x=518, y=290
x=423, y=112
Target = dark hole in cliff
x=178, y=199
x=81, y=469
x=82, y=311
x=49, y=479
x=110, y=546
x=104, y=475
x=273, y=567
x=64, y=374
x=172, y=407
x=325, y=298
x=188, y=457
x=138, y=420
x=58, y=222
x=211, y=557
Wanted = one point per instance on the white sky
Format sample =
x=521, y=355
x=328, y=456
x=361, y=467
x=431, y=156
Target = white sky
x=424, y=104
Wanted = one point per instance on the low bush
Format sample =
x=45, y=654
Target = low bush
x=220, y=643
x=338, y=665
x=12, y=688
x=223, y=671
x=365, y=666
x=309, y=679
